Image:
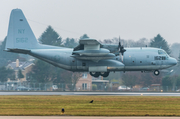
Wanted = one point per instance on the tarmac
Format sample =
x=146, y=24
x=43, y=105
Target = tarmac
x=81, y=117
x=95, y=93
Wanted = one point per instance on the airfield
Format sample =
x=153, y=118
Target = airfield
x=106, y=105
x=95, y=93
x=80, y=117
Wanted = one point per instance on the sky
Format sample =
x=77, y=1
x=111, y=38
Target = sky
x=99, y=19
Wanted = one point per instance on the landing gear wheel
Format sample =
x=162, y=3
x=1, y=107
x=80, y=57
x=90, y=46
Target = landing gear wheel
x=156, y=72
x=95, y=74
x=104, y=74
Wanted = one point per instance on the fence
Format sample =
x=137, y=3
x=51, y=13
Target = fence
x=26, y=86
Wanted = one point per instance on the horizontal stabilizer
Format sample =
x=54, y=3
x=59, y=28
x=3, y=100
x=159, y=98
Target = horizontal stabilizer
x=18, y=50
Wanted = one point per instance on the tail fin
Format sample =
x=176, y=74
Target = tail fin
x=20, y=35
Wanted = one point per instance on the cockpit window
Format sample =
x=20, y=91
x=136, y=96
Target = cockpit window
x=161, y=52
x=162, y=55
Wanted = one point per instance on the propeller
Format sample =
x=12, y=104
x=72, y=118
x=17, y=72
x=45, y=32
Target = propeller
x=121, y=50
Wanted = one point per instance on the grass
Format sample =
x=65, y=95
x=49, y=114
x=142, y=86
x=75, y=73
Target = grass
x=80, y=106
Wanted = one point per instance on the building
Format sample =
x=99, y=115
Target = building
x=25, y=68
x=84, y=83
x=100, y=83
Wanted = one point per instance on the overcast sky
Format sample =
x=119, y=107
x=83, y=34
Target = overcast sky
x=100, y=19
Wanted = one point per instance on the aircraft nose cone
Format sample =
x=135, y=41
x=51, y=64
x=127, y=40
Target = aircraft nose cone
x=174, y=61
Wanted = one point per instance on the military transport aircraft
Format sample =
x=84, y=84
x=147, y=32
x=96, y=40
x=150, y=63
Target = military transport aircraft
x=89, y=56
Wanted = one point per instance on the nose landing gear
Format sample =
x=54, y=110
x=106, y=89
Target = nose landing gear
x=156, y=72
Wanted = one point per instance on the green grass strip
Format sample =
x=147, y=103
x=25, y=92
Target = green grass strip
x=80, y=106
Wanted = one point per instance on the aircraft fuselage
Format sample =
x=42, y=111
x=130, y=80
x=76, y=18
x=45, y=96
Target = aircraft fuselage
x=135, y=59
x=89, y=56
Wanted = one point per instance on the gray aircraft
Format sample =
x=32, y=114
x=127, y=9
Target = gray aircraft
x=89, y=56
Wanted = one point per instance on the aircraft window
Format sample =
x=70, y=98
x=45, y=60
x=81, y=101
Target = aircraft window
x=84, y=86
x=84, y=75
x=161, y=52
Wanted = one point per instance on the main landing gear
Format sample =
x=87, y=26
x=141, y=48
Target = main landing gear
x=156, y=72
x=97, y=74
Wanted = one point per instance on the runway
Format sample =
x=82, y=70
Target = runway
x=94, y=93
x=81, y=117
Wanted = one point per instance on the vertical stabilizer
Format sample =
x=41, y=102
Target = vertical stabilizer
x=20, y=35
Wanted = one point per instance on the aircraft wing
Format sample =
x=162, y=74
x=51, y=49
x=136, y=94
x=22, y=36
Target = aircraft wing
x=88, y=43
x=90, y=49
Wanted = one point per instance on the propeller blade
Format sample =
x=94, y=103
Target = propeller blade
x=119, y=46
x=121, y=50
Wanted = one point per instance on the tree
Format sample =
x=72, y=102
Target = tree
x=166, y=82
x=129, y=79
x=50, y=37
x=70, y=43
x=138, y=78
x=43, y=72
x=5, y=74
x=179, y=60
x=20, y=75
x=70, y=78
x=84, y=36
x=178, y=81
x=160, y=42
x=146, y=79
x=175, y=50
x=75, y=78
x=5, y=57
x=94, y=87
